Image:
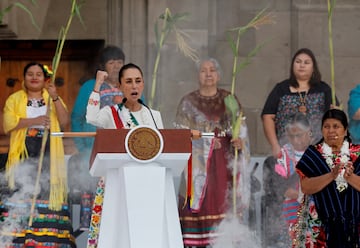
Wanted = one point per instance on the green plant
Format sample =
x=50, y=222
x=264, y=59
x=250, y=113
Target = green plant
x=231, y=103
x=330, y=7
x=75, y=11
x=19, y=5
x=261, y=18
x=54, y=204
x=169, y=22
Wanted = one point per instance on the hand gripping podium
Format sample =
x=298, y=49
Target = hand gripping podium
x=140, y=205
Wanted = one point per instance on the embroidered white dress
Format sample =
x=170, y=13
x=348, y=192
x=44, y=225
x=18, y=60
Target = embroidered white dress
x=103, y=118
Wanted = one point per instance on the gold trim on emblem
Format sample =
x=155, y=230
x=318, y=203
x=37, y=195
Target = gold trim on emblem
x=144, y=143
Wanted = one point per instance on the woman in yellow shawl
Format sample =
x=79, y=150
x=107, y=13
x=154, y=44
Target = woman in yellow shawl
x=27, y=113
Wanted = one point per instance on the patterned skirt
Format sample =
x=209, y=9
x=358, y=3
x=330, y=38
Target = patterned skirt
x=49, y=229
x=199, y=227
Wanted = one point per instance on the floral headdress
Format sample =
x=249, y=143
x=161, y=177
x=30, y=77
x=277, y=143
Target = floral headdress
x=48, y=71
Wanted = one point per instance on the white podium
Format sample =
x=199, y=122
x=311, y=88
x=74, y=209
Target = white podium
x=140, y=205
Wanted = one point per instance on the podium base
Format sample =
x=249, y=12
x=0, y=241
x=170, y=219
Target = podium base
x=140, y=208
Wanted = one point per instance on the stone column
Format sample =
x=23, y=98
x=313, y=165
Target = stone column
x=114, y=27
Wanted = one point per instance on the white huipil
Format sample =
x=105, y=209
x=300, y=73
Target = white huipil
x=103, y=118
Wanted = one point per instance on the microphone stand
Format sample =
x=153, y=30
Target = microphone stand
x=142, y=103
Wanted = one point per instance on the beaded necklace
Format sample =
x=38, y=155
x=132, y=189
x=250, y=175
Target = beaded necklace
x=302, y=108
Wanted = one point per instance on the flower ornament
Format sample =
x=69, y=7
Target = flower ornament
x=354, y=152
x=329, y=160
x=308, y=230
x=344, y=159
x=332, y=160
x=353, y=156
x=48, y=71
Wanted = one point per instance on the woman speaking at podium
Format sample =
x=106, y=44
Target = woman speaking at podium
x=130, y=113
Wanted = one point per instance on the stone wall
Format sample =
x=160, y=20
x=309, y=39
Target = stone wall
x=130, y=24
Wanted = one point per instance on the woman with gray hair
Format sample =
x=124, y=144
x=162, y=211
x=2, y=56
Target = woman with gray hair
x=204, y=109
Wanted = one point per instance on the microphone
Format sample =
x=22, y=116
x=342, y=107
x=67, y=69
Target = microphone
x=142, y=103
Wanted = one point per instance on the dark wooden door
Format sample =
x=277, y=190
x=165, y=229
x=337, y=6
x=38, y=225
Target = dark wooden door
x=76, y=65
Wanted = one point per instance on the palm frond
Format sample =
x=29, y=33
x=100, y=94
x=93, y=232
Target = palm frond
x=232, y=107
x=169, y=22
x=22, y=7
x=231, y=42
x=260, y=19
x=249, y=56
x=78, y=14
x=184, y=47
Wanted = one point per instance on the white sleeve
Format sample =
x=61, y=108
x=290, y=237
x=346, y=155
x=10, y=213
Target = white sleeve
x=99, y=117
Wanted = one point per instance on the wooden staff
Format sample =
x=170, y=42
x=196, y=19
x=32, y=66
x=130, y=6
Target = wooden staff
x=40, y=163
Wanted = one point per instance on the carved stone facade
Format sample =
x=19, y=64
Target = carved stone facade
x=130, y=25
